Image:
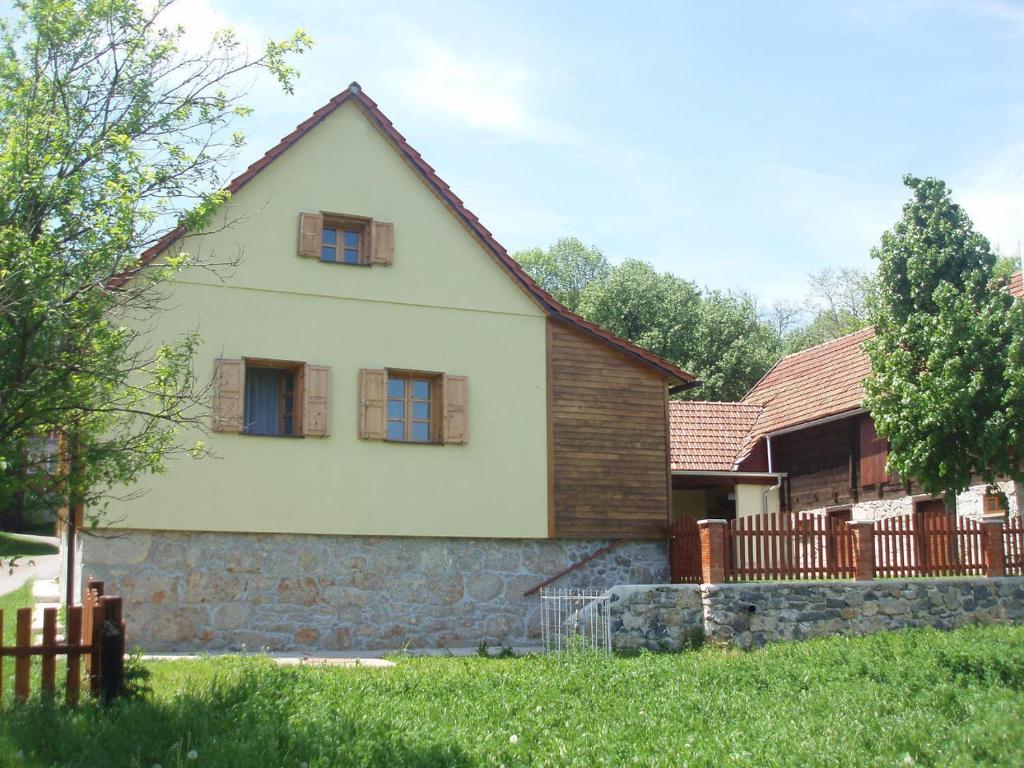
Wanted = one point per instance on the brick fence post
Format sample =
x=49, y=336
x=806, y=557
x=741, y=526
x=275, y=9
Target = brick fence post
x=992, y=552
x=863, y=549
x=712, y=551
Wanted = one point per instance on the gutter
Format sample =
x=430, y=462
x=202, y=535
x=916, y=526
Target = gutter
x=778, y=477
x=698, y=473
x=809, y=424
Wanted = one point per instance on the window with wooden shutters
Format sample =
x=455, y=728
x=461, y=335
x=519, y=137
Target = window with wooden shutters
x=256, y=396
x=413, y=406
x=874, y=451
x=343, y=239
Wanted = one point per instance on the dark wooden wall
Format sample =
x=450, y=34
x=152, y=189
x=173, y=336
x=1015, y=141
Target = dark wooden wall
x=608, y=441
x=825, y=466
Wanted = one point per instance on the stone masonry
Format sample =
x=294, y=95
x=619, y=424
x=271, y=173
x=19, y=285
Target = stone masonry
x=970, y=503
x=664, y=617
x=211, y=591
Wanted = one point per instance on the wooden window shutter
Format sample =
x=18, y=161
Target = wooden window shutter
x=372, y=404
x=874, y=450
x=316, y=416
x=382, y=243
x=228, y=386
x=455, y=424
x=311, y=227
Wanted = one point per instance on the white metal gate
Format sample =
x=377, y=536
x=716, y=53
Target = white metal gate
x=575, y=619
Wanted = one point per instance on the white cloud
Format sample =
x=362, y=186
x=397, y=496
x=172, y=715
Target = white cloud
x=201, y=20
x=994, y=198
x=484, y=92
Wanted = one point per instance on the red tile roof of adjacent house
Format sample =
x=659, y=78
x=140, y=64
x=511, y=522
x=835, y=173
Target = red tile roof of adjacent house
x=814, y=383
x=547, y=302
x=708, y=436
x=1017, y=285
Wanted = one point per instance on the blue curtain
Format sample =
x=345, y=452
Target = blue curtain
x=262, y=401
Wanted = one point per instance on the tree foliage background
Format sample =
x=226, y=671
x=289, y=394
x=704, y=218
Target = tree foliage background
x=111, y=132
x=724, y=338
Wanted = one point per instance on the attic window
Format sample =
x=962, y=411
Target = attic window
x=335, y=238
x=343, y=241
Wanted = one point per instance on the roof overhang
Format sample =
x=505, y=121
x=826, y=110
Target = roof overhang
x=816, y=422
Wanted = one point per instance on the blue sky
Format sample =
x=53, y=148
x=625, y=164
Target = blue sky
x=739, y=145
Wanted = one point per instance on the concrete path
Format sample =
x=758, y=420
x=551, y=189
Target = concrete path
x=285, y=659
x=30, y=568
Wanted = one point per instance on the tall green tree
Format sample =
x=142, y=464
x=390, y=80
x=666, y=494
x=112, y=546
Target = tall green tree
x=718, y=337
x=947, y=388
x=565, y=269
x=110, y=133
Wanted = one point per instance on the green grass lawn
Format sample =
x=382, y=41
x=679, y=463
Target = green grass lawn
x=9, y=604
x=12, y=545
x=907, y=698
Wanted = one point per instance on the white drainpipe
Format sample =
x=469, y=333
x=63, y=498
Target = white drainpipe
x=778, y=478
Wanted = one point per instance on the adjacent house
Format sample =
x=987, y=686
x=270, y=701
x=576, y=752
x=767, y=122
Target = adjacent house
x=800, y=440
x=409, y=433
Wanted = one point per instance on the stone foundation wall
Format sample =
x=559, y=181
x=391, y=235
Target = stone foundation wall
x=212, y=591
x=748, y=615
x=665, y=617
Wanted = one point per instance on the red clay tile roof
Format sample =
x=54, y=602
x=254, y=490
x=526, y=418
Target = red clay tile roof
x=1017, y=285
x=547, y=302
x=709, y=436
x=814, y=383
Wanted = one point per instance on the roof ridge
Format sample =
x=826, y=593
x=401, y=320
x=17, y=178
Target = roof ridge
x=549, y=303
x=782, y=359
x=714, y=402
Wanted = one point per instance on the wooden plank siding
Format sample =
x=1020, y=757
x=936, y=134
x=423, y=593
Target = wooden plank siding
x=825, y=465
x=608, y=441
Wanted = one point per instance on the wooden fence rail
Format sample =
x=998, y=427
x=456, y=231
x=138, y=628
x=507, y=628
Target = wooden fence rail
x=1013, y=546
x=95, y=630
x=928, y=545
x=787, y=545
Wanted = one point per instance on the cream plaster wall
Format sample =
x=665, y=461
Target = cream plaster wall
x=750, y=499
x=445, y=305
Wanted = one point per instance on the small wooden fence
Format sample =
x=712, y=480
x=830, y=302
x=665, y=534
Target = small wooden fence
x=791, y=546
x=684, y=551
x=95, y=632
x=928, y=545
x=1013, y=546
x=785, y=545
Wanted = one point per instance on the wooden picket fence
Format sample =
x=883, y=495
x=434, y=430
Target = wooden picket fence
x=1013, y=546
x=787, y=545
x=95, y=632
x=927, y=545
x=684, y=551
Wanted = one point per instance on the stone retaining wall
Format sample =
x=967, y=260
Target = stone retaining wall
x=746, y=615
x=210, y=591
